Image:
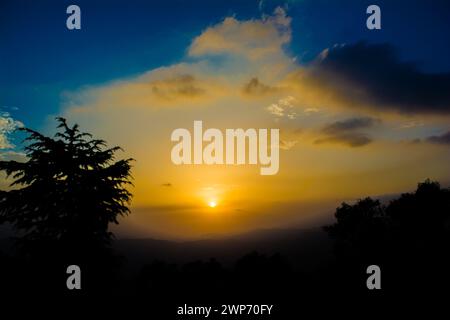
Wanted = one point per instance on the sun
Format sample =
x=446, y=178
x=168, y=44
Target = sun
x=212, y=204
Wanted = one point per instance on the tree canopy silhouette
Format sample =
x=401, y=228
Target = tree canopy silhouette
x=69, y=191
x=420, y=218
x=409, y=236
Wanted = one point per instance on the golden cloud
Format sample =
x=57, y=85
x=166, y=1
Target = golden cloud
x=253, y=39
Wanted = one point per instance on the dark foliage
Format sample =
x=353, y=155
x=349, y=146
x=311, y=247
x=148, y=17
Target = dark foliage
x=409, y=237
x=67, y=192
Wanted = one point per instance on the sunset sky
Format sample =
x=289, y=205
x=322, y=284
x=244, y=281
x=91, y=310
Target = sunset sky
x=360, y=112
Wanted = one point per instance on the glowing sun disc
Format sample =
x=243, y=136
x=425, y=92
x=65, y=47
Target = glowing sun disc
x=212, y=204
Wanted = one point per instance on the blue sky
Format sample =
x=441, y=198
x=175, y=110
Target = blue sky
x=40, y=58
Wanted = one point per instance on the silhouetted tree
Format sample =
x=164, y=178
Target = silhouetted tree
x=415, y=219
x=409, y=237
x=360, y=228
x=68, y=191
x=423, y=215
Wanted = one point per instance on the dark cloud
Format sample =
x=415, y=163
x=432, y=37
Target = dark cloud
x=373, y=73
x=442, y=139
x=351, y=139
x=350, y=125
x=348, y=132
x=168, y=184
x=257, y=88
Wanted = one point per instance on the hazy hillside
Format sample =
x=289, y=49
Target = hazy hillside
x=304, y=248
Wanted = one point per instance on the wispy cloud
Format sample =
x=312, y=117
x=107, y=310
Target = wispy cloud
x=168, y=184
x=348, y=132
x=13, y=155
x=283, y=108
x=7, y=126
x=287, y=144
x=412, y=124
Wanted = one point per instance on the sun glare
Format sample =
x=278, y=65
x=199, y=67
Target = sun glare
x=212, y=204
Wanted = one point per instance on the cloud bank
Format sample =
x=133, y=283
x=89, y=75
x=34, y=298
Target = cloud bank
x=373, y=75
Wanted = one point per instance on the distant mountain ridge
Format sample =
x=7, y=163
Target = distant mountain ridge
x=302, y=247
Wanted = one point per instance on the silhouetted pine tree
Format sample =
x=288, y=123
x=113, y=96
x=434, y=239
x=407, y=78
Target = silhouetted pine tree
x=68, y=191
